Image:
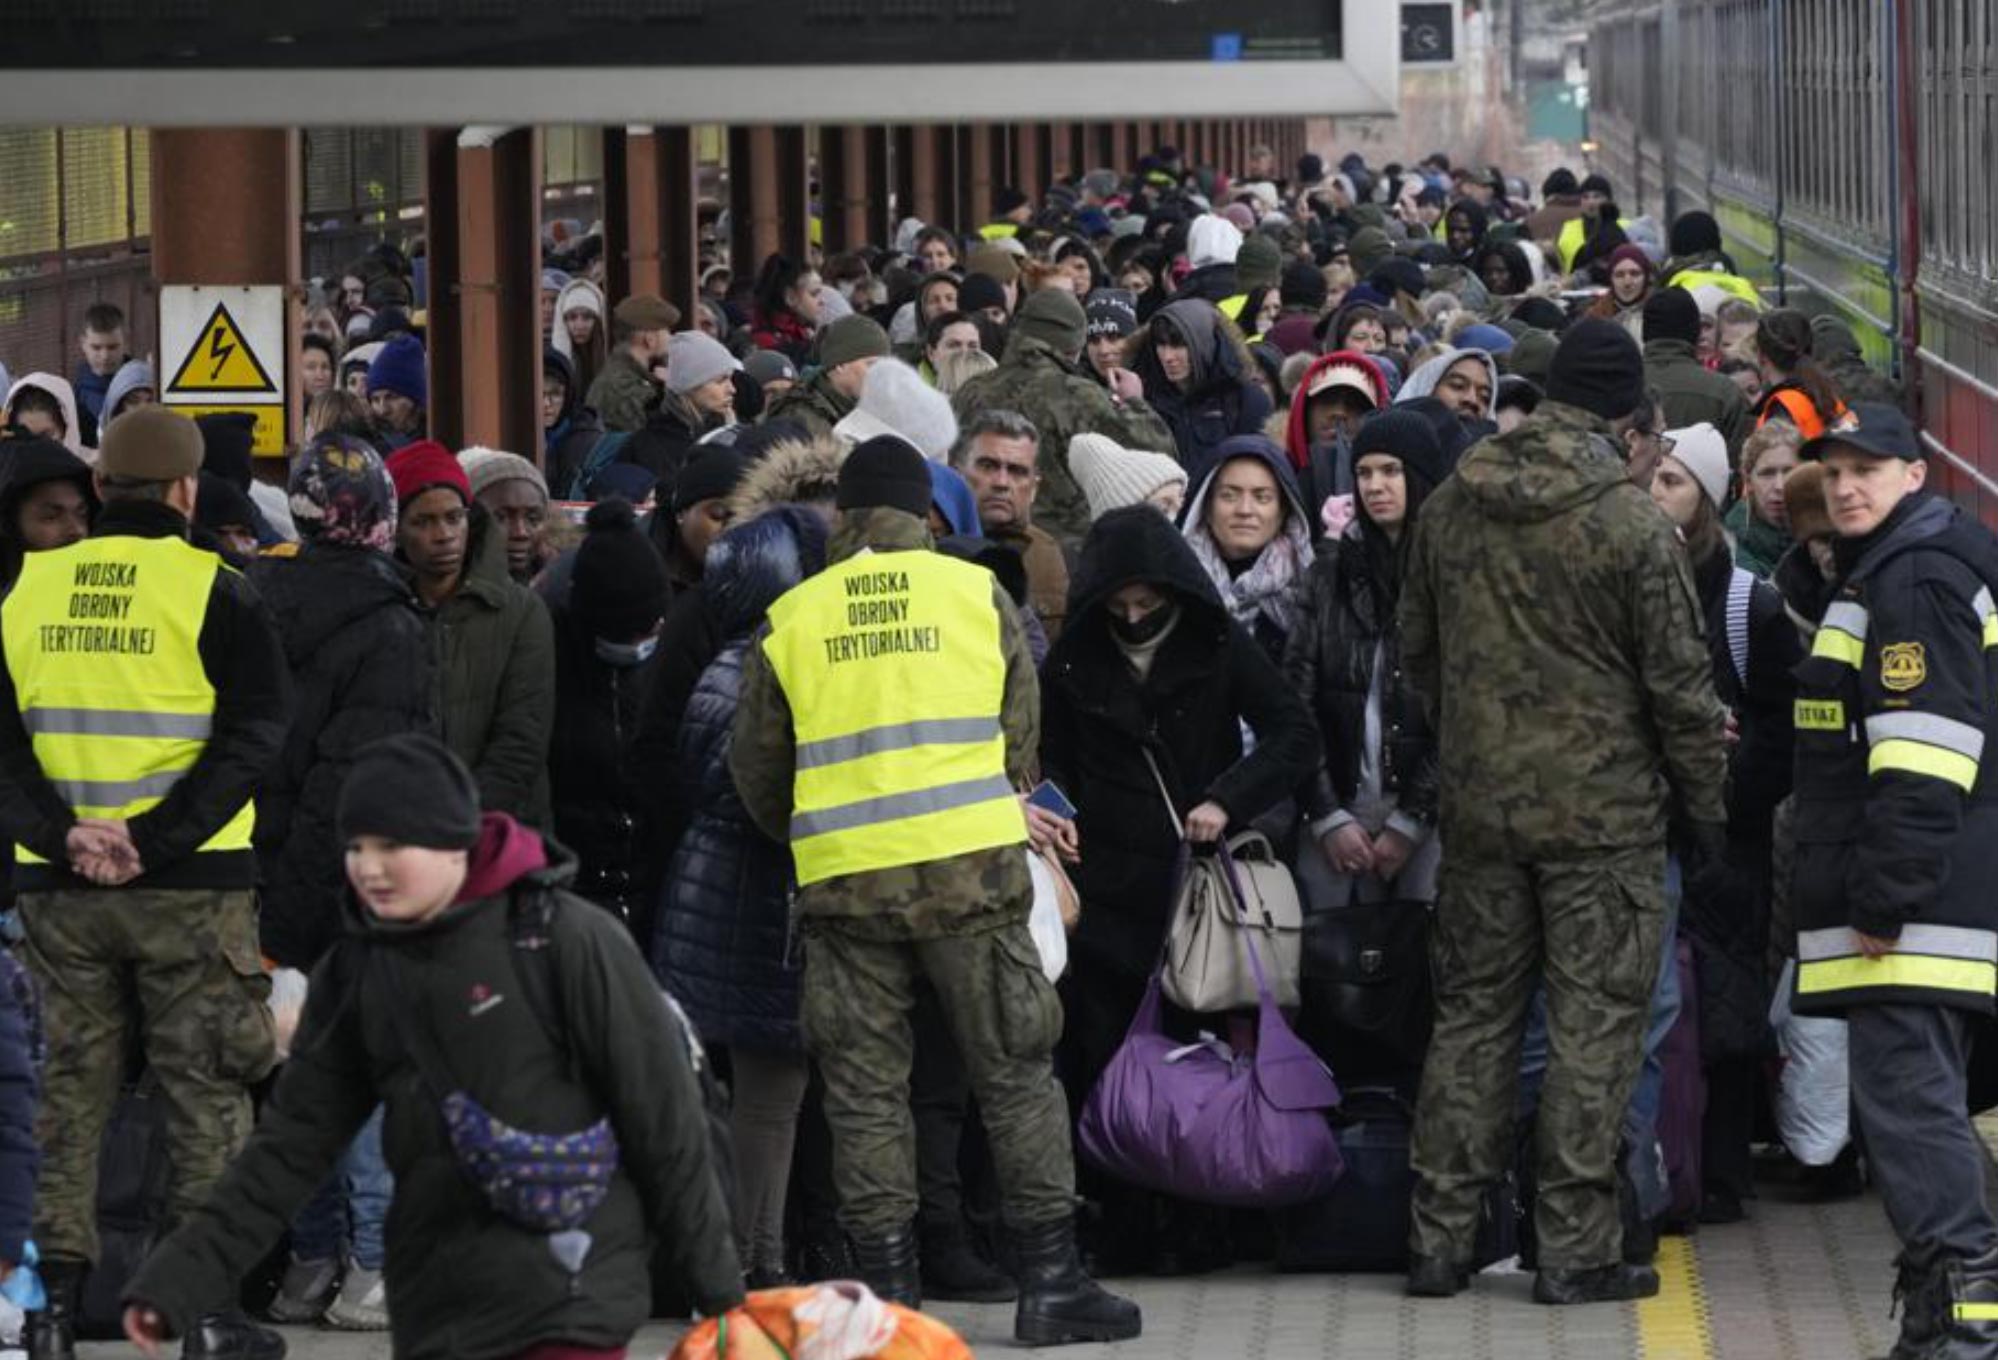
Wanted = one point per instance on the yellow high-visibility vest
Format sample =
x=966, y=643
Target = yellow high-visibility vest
x=1231, y=307
x=892, y=666
x=999, y=231
x=1734, y=284
x=1574, y=235
x=103, y=645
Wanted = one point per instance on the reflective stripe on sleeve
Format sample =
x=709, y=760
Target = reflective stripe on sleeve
x=1928, y=728
x=1897, y=969
x=1914, y=757
x=1954, y=942
x=1842, y=635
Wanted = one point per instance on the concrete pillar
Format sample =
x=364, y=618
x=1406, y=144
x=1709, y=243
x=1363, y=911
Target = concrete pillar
x=768, y=195
x=225, y=210
x=485, y=288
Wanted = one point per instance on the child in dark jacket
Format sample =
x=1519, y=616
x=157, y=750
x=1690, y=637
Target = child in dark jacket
x=437, y=972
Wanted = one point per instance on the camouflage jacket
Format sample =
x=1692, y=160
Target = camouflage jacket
x=623, y=395
x=1550, y=620
x=815, y=404
x=961, y=895
x=1062, y=401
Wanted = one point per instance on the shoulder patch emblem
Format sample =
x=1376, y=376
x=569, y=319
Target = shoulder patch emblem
x=1903, y=665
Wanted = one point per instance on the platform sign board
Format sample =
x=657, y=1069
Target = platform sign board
x=222, y=349
x=1430, y=34
x=511, y=62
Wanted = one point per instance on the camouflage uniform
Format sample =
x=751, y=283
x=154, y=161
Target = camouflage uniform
x=1550, y=618
x=815, y=404
x=623, y=395
x=1062, y=401
x=959, y=923
x=200, y=988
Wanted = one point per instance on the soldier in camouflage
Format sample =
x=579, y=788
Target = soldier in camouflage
x=1550, y=620
x=887, y=757
x=1042, y=378
x=129, y=749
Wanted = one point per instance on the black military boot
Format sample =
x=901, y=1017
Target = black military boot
x=1969, y=1323
x=1597, y=1284
x=889, y=1266
x=1922, y=1295
x=1059, y=1303
x=50, y=1333
x=231, y=1336
x=954, y=1272
x=1432, y=1277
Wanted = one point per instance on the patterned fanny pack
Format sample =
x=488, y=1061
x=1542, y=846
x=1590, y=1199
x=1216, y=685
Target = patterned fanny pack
x=543, y=1182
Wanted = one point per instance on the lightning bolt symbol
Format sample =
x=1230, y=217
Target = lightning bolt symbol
x=220, y=347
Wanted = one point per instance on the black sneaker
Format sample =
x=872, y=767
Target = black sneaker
x=1599, y=1284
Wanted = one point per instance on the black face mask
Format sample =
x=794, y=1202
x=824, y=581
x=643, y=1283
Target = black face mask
x=1145, y=629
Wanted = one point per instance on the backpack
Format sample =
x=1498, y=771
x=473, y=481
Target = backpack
x=531, y=917
x=608, y=448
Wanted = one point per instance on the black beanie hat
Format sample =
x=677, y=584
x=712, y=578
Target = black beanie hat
x=410, y=789
x=979, y=291
x=1562, y=181
x=1695, y=233
x=1407, y=436
x=1671, y=314
x=1599, y=368
x=1598, y=184
x=226, y=440
x=1304, y=286
x=712, y=474
x=887, y=473
x=618, y=584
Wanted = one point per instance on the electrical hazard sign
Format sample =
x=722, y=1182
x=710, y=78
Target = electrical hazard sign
x=224, y=351
x=222, y=361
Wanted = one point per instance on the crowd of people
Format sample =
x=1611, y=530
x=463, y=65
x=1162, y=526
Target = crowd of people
x=1570, y=620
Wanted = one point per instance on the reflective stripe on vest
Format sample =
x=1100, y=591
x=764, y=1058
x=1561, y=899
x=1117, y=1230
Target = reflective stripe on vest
x=999, y=231
x=892, y=665
x=1925, y=744
x=1942, y=958
x=103, y=645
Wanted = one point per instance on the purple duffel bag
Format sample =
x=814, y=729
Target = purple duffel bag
x=1202, y=1123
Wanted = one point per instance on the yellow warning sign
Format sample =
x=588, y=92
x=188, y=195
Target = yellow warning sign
x=267, y=441
x=221, y=362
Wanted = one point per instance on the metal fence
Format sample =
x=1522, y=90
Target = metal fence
x=75, y=222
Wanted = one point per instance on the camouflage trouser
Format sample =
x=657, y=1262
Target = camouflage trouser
x=182, y=967
x=1005, y=1017
x=1593, y=928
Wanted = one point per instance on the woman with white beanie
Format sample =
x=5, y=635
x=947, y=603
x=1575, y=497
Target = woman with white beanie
x=1754, y=649
x=1112, y=476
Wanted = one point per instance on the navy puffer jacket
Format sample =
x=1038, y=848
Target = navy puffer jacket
x=723, y=944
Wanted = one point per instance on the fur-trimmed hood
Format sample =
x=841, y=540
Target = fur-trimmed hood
x=792, y=472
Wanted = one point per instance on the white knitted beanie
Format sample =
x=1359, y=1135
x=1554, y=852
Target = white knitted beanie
x=1112, y=476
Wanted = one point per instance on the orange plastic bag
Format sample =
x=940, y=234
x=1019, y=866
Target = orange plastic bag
x=838, y=1321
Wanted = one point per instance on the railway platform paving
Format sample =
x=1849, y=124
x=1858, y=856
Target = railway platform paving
x=1797, y=1281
